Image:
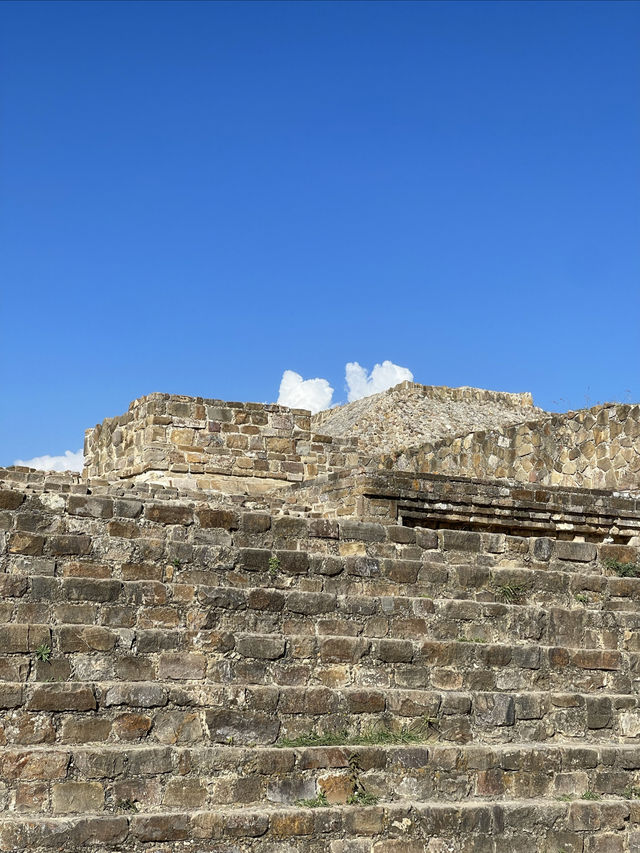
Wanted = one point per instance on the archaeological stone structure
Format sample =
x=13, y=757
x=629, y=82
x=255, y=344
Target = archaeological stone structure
x=410, y=624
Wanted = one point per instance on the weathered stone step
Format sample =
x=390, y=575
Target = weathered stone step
x=78, y=780
x=117, y=601
x=533, y=826
x=293, y=659
x=200, y=713
x=303, y=611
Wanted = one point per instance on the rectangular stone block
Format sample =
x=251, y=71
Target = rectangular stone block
x=62, y=697
x=169, y=514
x=89, y=506
x=82, y=797
x=182, y=665
x=10, y=499
x=362, y=531
x=222, y=518
x=461, y=540
x=577, y=552
x=69, y=544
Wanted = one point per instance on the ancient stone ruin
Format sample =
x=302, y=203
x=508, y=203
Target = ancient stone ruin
x=407, y=624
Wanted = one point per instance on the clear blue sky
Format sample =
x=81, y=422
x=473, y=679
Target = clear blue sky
x=198, y=196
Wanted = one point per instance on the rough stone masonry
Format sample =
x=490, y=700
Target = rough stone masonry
x=411, y=624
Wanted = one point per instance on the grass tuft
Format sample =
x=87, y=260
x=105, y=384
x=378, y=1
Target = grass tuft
x=623, y=570
x=419, y=733
x=317, y=802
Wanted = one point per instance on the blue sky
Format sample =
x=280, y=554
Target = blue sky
x=196, y=197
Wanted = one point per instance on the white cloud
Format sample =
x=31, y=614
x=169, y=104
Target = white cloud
x=299, y=393
x=317, y=394
x=383, y=376
x=69, y=462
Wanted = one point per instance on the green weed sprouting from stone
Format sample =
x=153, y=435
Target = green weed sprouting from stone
x=359, y=795
x=512, y=593
x=623, y=570
x=631, y=793
x=581, y=597
x=177, y=564
x=590, y=795
x=418, y=732
x=43, y=652
x=471, y=640
x=127, y=805
x=362, y=799
x=274, y=566
x=317, y=802
x=565, y=798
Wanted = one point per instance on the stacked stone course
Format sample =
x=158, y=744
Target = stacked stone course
x=175, y=647
x=193, y=442
x=596, y=448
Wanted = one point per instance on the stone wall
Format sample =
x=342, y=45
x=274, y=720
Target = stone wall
x=212, y=669
x=592, y=448
x=189, y=442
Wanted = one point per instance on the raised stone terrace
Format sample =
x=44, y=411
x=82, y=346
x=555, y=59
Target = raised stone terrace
x=352, y=658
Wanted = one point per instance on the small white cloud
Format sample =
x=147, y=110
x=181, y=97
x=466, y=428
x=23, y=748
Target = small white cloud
x=383, y=376
x=299, y=393
x=69, y=462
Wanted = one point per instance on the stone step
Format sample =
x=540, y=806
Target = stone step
x=85, y=779
x=138, y=586
x=270, y=610
x=172, y=712
x=531, y=826
x=295, y=659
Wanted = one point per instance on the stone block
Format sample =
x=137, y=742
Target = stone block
x=88, y=589
x=81, y=797
x=161, y=827
x=426, y=539
x=291, y=825
x=85, y=730
x=142, y=695
x=221, y=518
x=253, y=559
x=228, y=726
x=543, y=549
x=395, y=651
x=323, y=528
x=342, y=649
x=126, y=508
x=365, y=701
x=185, y=793
x=362, y=531
x=86, y=638
x=293, y=562
x=461, y=540
x=262, y=598
x=10, y=499
x=577, y=552
x=169, y=514
x=89, y=506
x=69, y=544
x=182, y=665
x=261, y=647
x=62, y=697
x=255, y=522
x=130, y=727
x=310, y=603
x=494, y=709
x=25, y=765
x=29, y=544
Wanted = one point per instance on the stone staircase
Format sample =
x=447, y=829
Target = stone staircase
x=179, y=675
